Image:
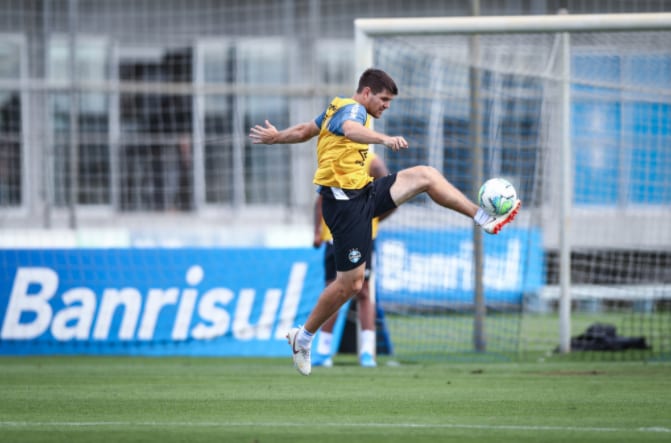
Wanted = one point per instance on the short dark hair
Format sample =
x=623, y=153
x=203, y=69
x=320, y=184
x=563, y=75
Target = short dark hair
x=377, y=80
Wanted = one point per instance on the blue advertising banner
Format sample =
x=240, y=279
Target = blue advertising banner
x=209, y=302
x=435, y=267
x=230, y=302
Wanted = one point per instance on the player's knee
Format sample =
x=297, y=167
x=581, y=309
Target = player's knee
x=352, y=281
x=349, y=287
x=425, y=175
x=430, y=173
x=357, y=284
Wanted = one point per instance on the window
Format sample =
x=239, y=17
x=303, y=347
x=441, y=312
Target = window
x=264, y=63
x=93, y=115
x=11, y=159
x=621, y=140
x=156, y=158
x=236, y=171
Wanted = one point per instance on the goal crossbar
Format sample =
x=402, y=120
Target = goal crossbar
x=514, y=24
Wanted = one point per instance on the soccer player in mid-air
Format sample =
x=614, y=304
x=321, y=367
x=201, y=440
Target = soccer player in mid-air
x=366, y=311
x=350, y=196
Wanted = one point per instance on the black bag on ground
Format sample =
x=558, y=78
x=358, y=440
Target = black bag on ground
x=603, y=337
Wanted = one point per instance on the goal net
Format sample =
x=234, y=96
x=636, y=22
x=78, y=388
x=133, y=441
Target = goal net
x=576, y=112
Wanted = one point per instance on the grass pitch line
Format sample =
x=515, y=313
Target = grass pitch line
x=27, y=424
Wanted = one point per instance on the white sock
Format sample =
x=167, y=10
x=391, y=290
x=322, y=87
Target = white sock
x=304, y=338
x=481, y=217
x=324, y=343
x=367, y=342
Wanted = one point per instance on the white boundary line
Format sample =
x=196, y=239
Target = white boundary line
x=27, y=424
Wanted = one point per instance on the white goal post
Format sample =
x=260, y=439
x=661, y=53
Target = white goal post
x=368, y=30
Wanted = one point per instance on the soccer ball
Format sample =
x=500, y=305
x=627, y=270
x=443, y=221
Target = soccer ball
x=497, y=196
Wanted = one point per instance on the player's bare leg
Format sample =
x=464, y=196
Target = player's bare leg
x=413, y=181
x=335, y=295
x=325, y=340
x=330, y=301
x=366, y=315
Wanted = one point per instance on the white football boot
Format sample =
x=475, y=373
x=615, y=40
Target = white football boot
x=301, y=355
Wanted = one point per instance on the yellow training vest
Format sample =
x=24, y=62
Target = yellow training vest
x=341, y=163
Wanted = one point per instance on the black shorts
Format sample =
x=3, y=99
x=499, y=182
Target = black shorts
x=330, y=265
x=350, y=220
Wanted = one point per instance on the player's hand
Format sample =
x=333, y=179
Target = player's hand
x=317, y=240
x=396, y=143
x=263, y=134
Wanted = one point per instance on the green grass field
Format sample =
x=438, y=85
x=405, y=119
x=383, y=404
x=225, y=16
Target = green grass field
x=128, y=399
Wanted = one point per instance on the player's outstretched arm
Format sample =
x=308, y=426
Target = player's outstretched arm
x=269, y=135
x=357, y=132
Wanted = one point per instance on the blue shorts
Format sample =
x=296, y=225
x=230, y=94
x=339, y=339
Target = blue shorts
x=350, y=220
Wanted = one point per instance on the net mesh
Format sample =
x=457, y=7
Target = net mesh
x=620, y=101
x=128, y=120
